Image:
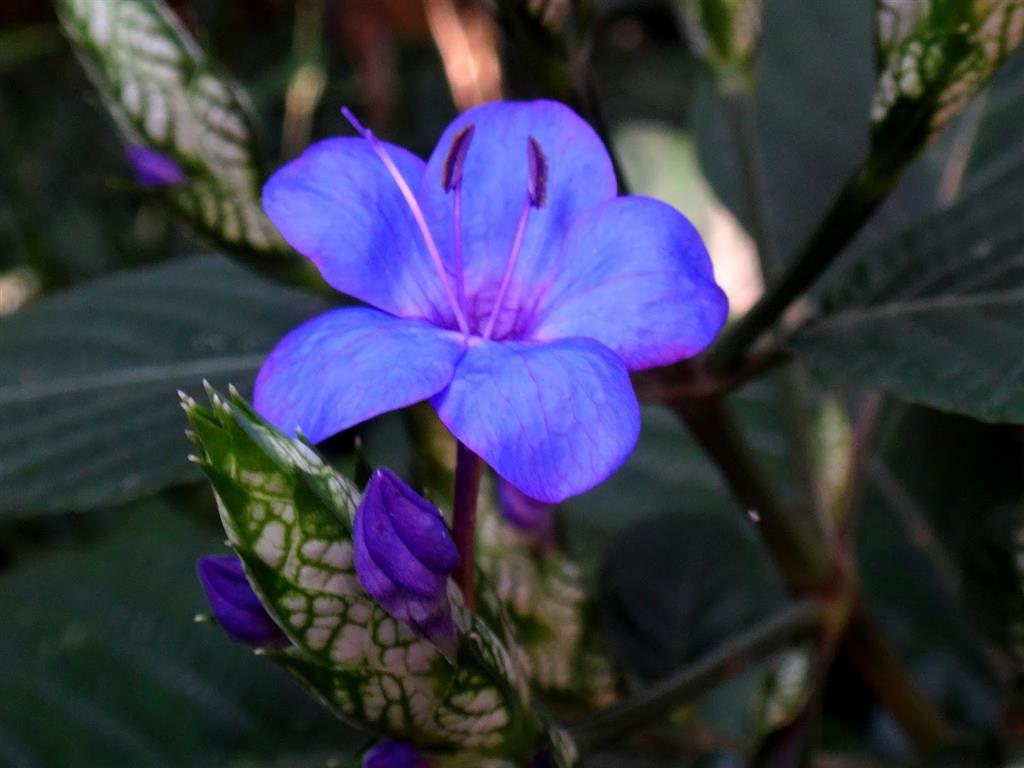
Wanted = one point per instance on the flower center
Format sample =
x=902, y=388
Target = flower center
x=451, y=182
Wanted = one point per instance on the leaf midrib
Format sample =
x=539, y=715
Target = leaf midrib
x=896, y=309
x=124, y=377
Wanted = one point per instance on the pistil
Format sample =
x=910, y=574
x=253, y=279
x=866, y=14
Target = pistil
x=536, y=196
x=417, y=214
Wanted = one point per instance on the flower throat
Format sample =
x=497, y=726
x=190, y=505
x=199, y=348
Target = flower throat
x=451, y=182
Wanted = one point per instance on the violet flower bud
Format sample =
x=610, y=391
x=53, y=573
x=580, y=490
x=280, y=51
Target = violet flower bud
x=403, y=555
x=235, y=606
x=154, y=169
x=533, y=517
x=394, y=754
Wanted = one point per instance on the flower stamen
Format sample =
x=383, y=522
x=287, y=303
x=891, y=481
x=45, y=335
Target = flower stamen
x=417, y=214
x=536, y=196
x=451, y=181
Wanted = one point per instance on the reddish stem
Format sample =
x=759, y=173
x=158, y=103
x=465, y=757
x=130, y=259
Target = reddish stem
x=468, y=468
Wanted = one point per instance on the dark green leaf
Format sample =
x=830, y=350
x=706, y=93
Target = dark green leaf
x=676, y=587
x=934, y=549
x=935, y=315
x=999, y=142
x=101, y=664
x=88, y=377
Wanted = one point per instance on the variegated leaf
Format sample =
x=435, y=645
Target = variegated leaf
x=784, y=688
x=933, y=56
x=289, y=516
x=543, y=594
x=165, y=95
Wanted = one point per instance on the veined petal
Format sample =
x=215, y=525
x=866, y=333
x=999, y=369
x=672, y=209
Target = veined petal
x=636, y=277
x=494, y=189
x=337, y=205
x=406, y=580
x=347, y=365
x=408, y=538
x=553, y=419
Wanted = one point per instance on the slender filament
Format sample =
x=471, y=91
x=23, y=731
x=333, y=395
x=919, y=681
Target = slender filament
x=510, y=266
x=460, y=279
x=417, y=214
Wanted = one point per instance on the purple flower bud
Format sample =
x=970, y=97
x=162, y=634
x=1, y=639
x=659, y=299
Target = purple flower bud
x=237, y=609
x=394, y=754
x=403, y=554
x=528, y=515
x=154, y=169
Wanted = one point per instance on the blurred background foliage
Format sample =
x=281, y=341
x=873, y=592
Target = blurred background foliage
x=100, y=514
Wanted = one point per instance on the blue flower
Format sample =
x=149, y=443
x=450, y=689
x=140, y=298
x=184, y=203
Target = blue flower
x=235, y=606
x=152, y=168
x=394, y=754
x=403, y=555
x=508, y=283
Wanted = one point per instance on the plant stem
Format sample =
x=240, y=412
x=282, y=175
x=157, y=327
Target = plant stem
x=798, y=621
x=468, y=469
x=797, y=550
x=740, y=114
x=861, y=195
x=894, y=686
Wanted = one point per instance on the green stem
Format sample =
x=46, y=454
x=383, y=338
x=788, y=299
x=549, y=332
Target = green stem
x=863, y=193
x=740, y=112
x=894, y=686
x=797, y=550
x=798, y=621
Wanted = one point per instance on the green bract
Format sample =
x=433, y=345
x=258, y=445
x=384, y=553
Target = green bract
x=933, y=56
x=289, y=515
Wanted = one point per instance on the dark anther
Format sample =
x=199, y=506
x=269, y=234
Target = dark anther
x=538, y=183
x=451, y=175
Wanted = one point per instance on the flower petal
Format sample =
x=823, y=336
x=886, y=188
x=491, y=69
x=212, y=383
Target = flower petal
x=637, y=278
x=393, y=574
x=152, y=168
x=383, y=508
x=236, y=607
x=494, y=189
x=417, y=522
x=337, y=204
x=394, y=754
x=347, y=365
x=552, y=419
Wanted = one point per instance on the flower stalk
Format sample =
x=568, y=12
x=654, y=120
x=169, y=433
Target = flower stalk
x=468, y=469
x=797, y=622
x=866, y=189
